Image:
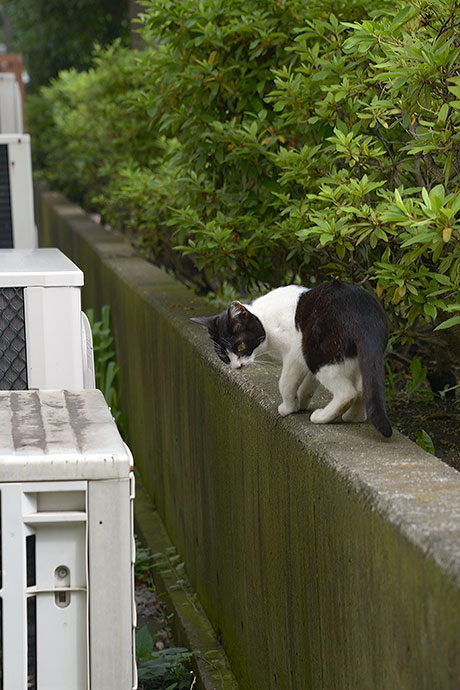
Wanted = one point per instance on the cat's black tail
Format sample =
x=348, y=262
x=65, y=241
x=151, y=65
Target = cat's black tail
x=370, y=359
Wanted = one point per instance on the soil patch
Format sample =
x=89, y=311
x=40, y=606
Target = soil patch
x=437, y=417
x=152, y=613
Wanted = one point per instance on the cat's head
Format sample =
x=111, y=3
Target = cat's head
x=236, y=334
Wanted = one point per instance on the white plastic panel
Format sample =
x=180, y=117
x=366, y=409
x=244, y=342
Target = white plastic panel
x=53, y=337
x=67, y=548
x=47, y=267
x=89, y=376
x=133, y=562
x=21, y=191
x=47, y=650
x=61, y=615
x=58, y=348
x=59, y=435
x=14, y=618
x=18, y=107
x=11, y=118
x=60, y=589
x=110, y=575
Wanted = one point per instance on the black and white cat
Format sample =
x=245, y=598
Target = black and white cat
x=334, y=334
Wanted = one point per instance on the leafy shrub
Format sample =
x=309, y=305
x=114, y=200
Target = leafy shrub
x=166, y=668
x=92, y=132
x=378, y=172
x=93, y=140
x=106, y=370
x=293, y=141
x=346, y=165
x=213, y=72
x=373, y=193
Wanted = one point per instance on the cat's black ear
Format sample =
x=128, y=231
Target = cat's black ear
x=237, y=316
x=237, y=311
x=208, y=322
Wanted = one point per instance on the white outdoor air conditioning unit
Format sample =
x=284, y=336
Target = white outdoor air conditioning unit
x=67, y=550
x=45, y=339
x=11, y=117
x=17, y=224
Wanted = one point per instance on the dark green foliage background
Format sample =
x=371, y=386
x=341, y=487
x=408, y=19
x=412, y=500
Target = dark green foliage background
x=59, y=34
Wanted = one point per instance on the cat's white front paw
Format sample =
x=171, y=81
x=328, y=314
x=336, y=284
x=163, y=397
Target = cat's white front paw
x=285, y=409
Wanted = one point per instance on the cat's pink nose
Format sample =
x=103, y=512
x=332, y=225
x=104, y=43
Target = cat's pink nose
x=240, y=365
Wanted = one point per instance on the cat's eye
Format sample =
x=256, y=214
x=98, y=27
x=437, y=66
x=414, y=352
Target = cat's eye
x=241, y=347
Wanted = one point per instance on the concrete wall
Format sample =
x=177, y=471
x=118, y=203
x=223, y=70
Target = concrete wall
x=325, y=557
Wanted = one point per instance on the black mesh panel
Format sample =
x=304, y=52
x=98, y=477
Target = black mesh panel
x=6, y=222
x=13, y=363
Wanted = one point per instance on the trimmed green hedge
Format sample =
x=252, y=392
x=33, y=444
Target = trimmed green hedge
x=255, y=143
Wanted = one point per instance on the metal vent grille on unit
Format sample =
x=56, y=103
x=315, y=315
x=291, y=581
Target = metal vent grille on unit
x=13, y=362
x=6, y=222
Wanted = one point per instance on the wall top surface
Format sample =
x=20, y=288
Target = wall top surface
x=59, y=435
x=38, y=268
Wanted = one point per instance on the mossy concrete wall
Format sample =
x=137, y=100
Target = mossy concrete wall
x=325, y=557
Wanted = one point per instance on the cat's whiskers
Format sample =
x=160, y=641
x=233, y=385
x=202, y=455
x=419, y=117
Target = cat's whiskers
x=265, y=353
x=258, y=359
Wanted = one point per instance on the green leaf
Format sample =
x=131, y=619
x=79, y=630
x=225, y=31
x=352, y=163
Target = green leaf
x=418, y=376
x=425, y=441
x=441, y=278
x=144, y=643
x=454, y=321
x=403, y=16
x=430, y=310
x=454, y=306
x=426, y=197
x=325, y=238
x=419, y=238
x=443, y=112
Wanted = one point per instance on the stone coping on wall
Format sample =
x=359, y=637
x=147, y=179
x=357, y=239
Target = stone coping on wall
x=402, y=498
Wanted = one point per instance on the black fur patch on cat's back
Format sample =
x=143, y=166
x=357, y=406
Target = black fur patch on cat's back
x=333, y=318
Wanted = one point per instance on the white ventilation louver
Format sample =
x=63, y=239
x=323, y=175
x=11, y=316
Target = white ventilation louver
x=45, y=339
x=67, y=552
x=11, y=117
x=17, y=224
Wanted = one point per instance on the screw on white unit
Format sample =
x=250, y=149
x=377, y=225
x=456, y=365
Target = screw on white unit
x=62, y=579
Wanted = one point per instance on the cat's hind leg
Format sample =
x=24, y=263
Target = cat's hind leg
x=357, y=411
x=306, y=390
x=337, y=380
x=292, y=375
